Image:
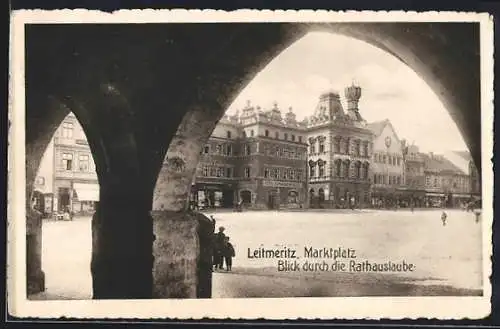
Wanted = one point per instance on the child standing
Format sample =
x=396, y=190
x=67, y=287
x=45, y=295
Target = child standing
x=228, y=253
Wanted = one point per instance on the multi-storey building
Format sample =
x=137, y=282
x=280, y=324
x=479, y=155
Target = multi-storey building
x=262, y=161
x=414, y=176
x=340, y=149
x=463, y=160
x=67, y=171
x=388, y=166
x=446, y=185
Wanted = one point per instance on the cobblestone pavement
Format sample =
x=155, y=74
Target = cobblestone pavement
x=447, y=259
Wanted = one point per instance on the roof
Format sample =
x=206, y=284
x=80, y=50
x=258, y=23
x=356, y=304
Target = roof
x=440, y=164
x=378, y=126
x=464, y=154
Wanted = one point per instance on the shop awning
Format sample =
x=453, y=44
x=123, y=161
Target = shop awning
x=86, y=192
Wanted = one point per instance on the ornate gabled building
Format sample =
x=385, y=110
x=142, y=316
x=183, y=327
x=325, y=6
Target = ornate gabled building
x=388, y=166
x=339, y=154
x=265, y=167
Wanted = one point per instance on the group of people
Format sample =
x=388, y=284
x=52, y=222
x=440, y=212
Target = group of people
x=223, y=250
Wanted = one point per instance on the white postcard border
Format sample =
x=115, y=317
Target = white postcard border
x=251, y=308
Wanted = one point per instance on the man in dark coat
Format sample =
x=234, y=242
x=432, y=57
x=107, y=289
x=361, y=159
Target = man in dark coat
x=218, y=246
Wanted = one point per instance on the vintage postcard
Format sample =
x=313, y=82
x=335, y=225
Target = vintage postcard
x=191, y=164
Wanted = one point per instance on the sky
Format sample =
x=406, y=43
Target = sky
x=391, y=90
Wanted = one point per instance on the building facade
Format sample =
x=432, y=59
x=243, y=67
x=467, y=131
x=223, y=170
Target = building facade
x=414, y=176
x=257, y=159
x=388, y=166
x=339, y=153
x=67, y=176
x=446, y=185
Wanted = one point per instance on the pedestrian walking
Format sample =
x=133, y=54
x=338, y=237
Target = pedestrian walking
x=444, y=216
x=228, y=253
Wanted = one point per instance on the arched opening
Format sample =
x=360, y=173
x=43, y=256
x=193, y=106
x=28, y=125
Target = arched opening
x=246, y=197
x=321, y=196
x=66, y=193
x=293, y=197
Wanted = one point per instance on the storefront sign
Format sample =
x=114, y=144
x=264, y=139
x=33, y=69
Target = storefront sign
x=270, y=183
x=434, y=194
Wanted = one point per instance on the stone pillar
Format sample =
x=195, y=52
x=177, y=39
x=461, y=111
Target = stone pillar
x=182, y=248
x=121, y=245
x=34, y=275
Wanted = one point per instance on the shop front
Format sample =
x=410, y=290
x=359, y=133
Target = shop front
x=212, y=195
x=283, y=194
x=435, y=200
x=385, y=197
x=411, y=198
x=85, y=196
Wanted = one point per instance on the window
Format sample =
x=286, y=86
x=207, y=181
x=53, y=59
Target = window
x=247, y=172
x=399, y=161
x=312, y=170
x=206, y=149
x=384, y=159
x=358, y=170
x=285, y=136
x=321, y=169
x=312, y=148
x=205, y=171
x=266, y=172
x=346, y=169
x=67, y=161
x=83, y=162
x=244, y=134
x=338, y=168
x=251, y=133
x=435, y=182
x=293, y=138
x=247, y=149
x=346, y=146
x=366, y=170
x=398, y=180
x=277, y=135
x=365, y=146
x=67, y=130
x=267, y=133
x=228, y=133
x=321, y=146
x=229, y=149
x=229, y=172
x=300, y=139
x=299, y=175
x=336, y=145
x=218, y=149
x=358, y=148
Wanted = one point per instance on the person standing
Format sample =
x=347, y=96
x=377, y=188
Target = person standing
x=444, y=216
x=228, y=253
x=219, y=245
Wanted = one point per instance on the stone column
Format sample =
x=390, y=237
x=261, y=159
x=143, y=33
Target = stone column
x=34, y=274
x=122, y=243
x=182, y=248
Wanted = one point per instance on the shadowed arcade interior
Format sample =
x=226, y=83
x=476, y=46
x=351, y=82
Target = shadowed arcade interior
x=167, y=92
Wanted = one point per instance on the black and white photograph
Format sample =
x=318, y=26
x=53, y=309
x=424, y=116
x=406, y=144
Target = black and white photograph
x=250, y=160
